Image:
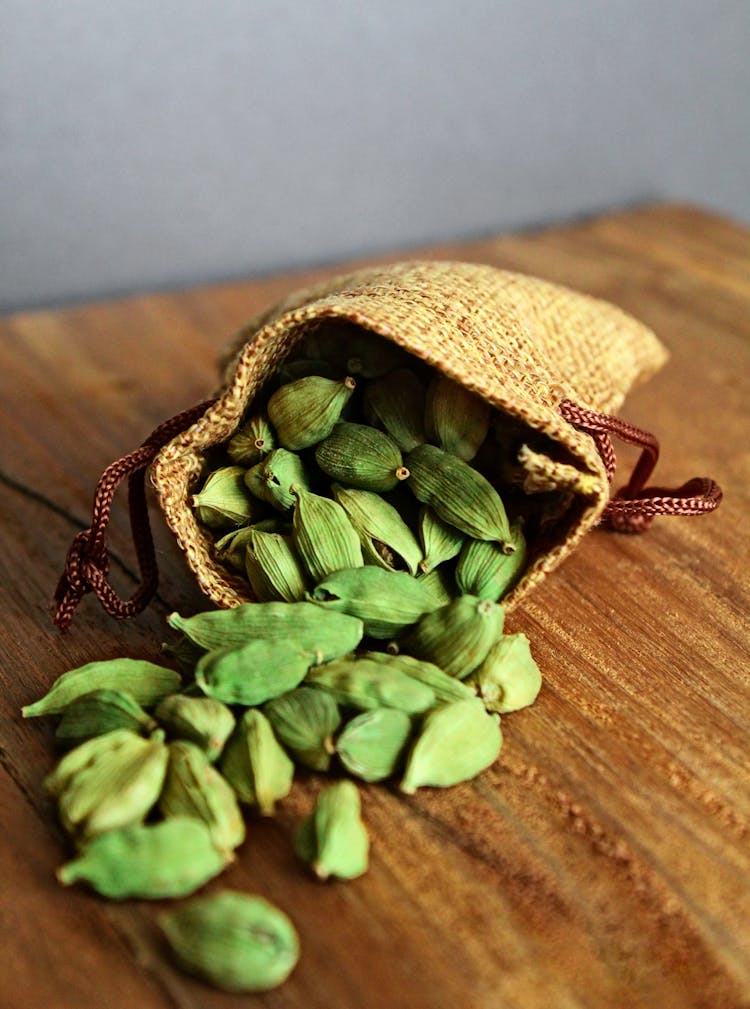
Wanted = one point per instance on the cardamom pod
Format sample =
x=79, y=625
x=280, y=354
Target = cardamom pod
x=460, y=495
x=372, y=744
x=306, y=625
x=386, y=539
x=253, y=673
x=194, y=788
x=323, y=536
x=457, y=741
x=457, y=637
x=305, y=720
x=273, y=479
x=364, y=684
x=396, y=403
x=361, y=456
x=509, y=678
x=203, y=721
x=273, y=568
x=101, y=711
x=223, y=502
x=486, y=571
x=440, y=542
x=305, y=412
x=83, y=756
x=251, y=442
x=231, y=548
x=441, y=585
x=455, y=419
x=145, y=682
x=386, y=601
x=237, y=942
x=255, y=764
x=445, y=688
x=333, y=839
x=169, y=859
x=354, y=350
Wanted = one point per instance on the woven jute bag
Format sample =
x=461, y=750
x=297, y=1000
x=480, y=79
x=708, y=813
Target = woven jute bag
x=556, y=360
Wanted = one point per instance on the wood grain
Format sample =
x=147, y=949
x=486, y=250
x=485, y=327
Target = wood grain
x=603, y=861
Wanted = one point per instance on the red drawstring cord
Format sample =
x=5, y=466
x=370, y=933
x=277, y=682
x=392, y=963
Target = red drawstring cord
x=633, y=507
x=87, y=562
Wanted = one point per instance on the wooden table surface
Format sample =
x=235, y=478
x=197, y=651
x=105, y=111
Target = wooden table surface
x=603, y=861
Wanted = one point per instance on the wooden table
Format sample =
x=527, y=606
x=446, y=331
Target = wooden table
x=603, y=861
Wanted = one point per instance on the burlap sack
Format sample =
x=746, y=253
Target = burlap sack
x=522, y=344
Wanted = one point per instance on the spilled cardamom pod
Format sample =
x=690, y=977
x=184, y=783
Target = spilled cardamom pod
x=223, y=502
x=440, y=542
x=255, y=764
x=386, y=539
x=305, y=412
x=456, y=420
x=145, y=682
x=361, y=456
x=372, y=744
x=509, y=678
x=364, y=684
x=99, y=712
x=203, y=721
x=486, y=571
x=333, y=840
x=251, y=442
x=273, y=568
x=305, y=720
x=323, y=536
x=456, y=637
x=396, y=403
x=253, y=673
x=445, y=688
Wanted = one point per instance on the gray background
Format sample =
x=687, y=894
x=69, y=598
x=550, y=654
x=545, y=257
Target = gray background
x=153, y=143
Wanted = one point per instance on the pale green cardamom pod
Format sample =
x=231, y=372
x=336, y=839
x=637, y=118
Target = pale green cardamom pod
x=169, y=859
x=340, y=844
x=440, y=542
x=372, y=744
x=386, y=539
x=460, y=495
x=231, y=549
x=234, y=941
x=203, y=721
x=441, y=584
x=255, y=764
x=457, y=637
x=457, y=741
x=274, y=569
x=509, y=678
x=305, y=412
x=486, y=571
x=361, y=456
x=386, y=601
x=396, y=403
x=145, y=682
x=253, y=673
x=194, y=788
x=273, y=479
x=305, y=720
x=306, y=625
x=323, y=536
x=83, y=756
x=101, y=711
x=364, y=684
x=455, y=419
x=446, y=688
x=223, y=502
x=251, y=442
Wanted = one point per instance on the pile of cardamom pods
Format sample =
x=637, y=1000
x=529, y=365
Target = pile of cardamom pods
x=378, y=555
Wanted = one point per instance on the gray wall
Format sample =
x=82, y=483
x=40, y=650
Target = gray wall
x=151, y=143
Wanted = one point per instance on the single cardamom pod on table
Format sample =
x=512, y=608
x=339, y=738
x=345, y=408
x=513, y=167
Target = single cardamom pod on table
x=509, y=678
x=146, y=683
x=255, y=764
x=101, y=711
x=372, y=744
x=305, y=720
x=253, y=673
x=333, y=840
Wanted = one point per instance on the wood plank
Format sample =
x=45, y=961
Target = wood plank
x=603, y=860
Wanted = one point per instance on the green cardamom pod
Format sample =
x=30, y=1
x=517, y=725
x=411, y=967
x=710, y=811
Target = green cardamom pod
x=223, y=502
x=354, y=350
x=457, y=741
x=235, y=941
x=305, y=412
x=273, y=479
x=361, y=456
x=251, y=442
x=231, y=549
x=145, y=682
x=440, y=542
x=255, y=764
x=386, y=601
x=273, y=568
x=115, y=789
x=169, y=859
x=305, y=720
x=396, y=403
x=101, y=711
x=203, y=721
x=323, y=536
x=486, y=571
x=509, y=678
x=333, y=839
x=457, y=637
x=364, y=684
x=460, y=495
x=386, y=539
x=306, y=625
x=253, y=673
x=83, y=756
x=445, y=688
x=194, y=788
x=372, y=744
x=441, y=584
x=455, y=419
